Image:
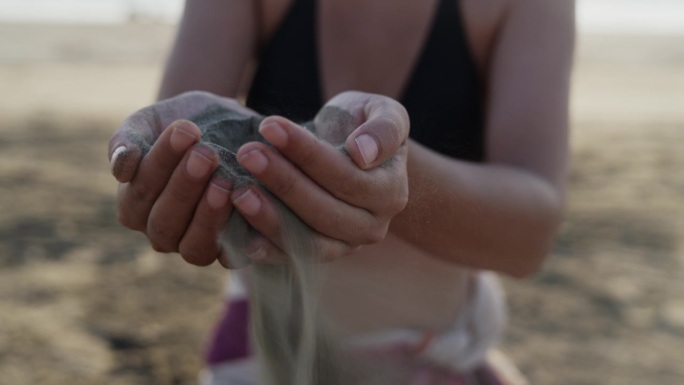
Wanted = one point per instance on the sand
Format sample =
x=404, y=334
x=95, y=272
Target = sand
x=84, y=301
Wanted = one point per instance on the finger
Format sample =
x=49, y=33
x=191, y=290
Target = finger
x=324, y=164
x=381, y=135
x=136, y=135
x=124, y=160
x=137, y=197
x=315, y=206
x=131, y=141
x=324, y=250
x=261, y=214
x=280, y=232
x=200, y=245
x=384, y=128
x=174, y=208
x=261, y=250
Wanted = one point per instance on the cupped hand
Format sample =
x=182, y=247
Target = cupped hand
x=167, y=189
x=346, y=187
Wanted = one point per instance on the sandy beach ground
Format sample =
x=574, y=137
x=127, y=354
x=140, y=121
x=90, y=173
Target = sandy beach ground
x=83, y=301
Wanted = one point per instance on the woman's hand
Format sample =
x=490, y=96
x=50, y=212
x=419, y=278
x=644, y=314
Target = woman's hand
x=167, y=190
x=348, y=200
x=166, y=186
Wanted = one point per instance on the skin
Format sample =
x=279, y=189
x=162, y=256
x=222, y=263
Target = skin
x=499, y=215
x=145, y=201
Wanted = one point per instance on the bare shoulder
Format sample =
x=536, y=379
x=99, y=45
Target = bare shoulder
x=555, y=15
x=271, y=14
x=484, y=20
x=223, y=34
x=528, y=87
x=484, y=12
x=481, y=20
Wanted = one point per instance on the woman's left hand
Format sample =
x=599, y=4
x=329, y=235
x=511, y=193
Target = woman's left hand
x=348, y=200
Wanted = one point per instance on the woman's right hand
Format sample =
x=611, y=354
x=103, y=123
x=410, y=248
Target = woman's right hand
x=166, y=185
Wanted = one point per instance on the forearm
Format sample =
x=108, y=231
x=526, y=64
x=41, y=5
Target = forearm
x=213, y=47
x=479, y=215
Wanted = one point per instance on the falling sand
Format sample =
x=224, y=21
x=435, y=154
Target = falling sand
x=295, y=342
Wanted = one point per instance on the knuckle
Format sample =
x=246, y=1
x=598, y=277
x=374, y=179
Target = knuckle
x=127, y=220
x=284, y=187
x=375, y=236
x=391, y=134
x=205, y=224
x=200, y=250
x=306, y=154
x=398, y=203
x=330, y=252
x=375, y=232
x=352, y=187
x=348, y=229
x=393, y=202
x=198, y=256
x=163, y=235
x=356, y=187
x=335, y=222
x=158, y=248
x=182, y=195
x=163, y=159
x=140, y=193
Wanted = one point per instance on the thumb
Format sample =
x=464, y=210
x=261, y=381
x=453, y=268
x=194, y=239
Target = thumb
x=129, y=144
x=381, y=135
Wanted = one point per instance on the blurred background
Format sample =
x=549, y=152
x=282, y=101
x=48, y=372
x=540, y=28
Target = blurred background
x=83, y=301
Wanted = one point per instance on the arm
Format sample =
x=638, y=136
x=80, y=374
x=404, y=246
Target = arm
x=170, y=194
x=164, y=193
x=215, y=42
x=349, y=199
x=502, y=215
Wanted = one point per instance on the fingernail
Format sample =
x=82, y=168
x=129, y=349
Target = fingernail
x=368, y=148
x=258, y=254
x=115, y=155
x=122, y=168
x=254, y=161
x=274, y=133
x=217, y=196
x=181, y=139
x=198, y=165
x=248, y=203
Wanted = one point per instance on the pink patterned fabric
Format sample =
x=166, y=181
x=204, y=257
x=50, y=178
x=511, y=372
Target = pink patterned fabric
x=430, y=375
x=230, y=340
x=420, y=372
x=229, y=351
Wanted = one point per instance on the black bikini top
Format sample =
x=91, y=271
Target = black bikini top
x=443, y=96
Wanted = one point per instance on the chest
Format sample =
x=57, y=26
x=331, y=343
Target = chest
x=349, y=32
